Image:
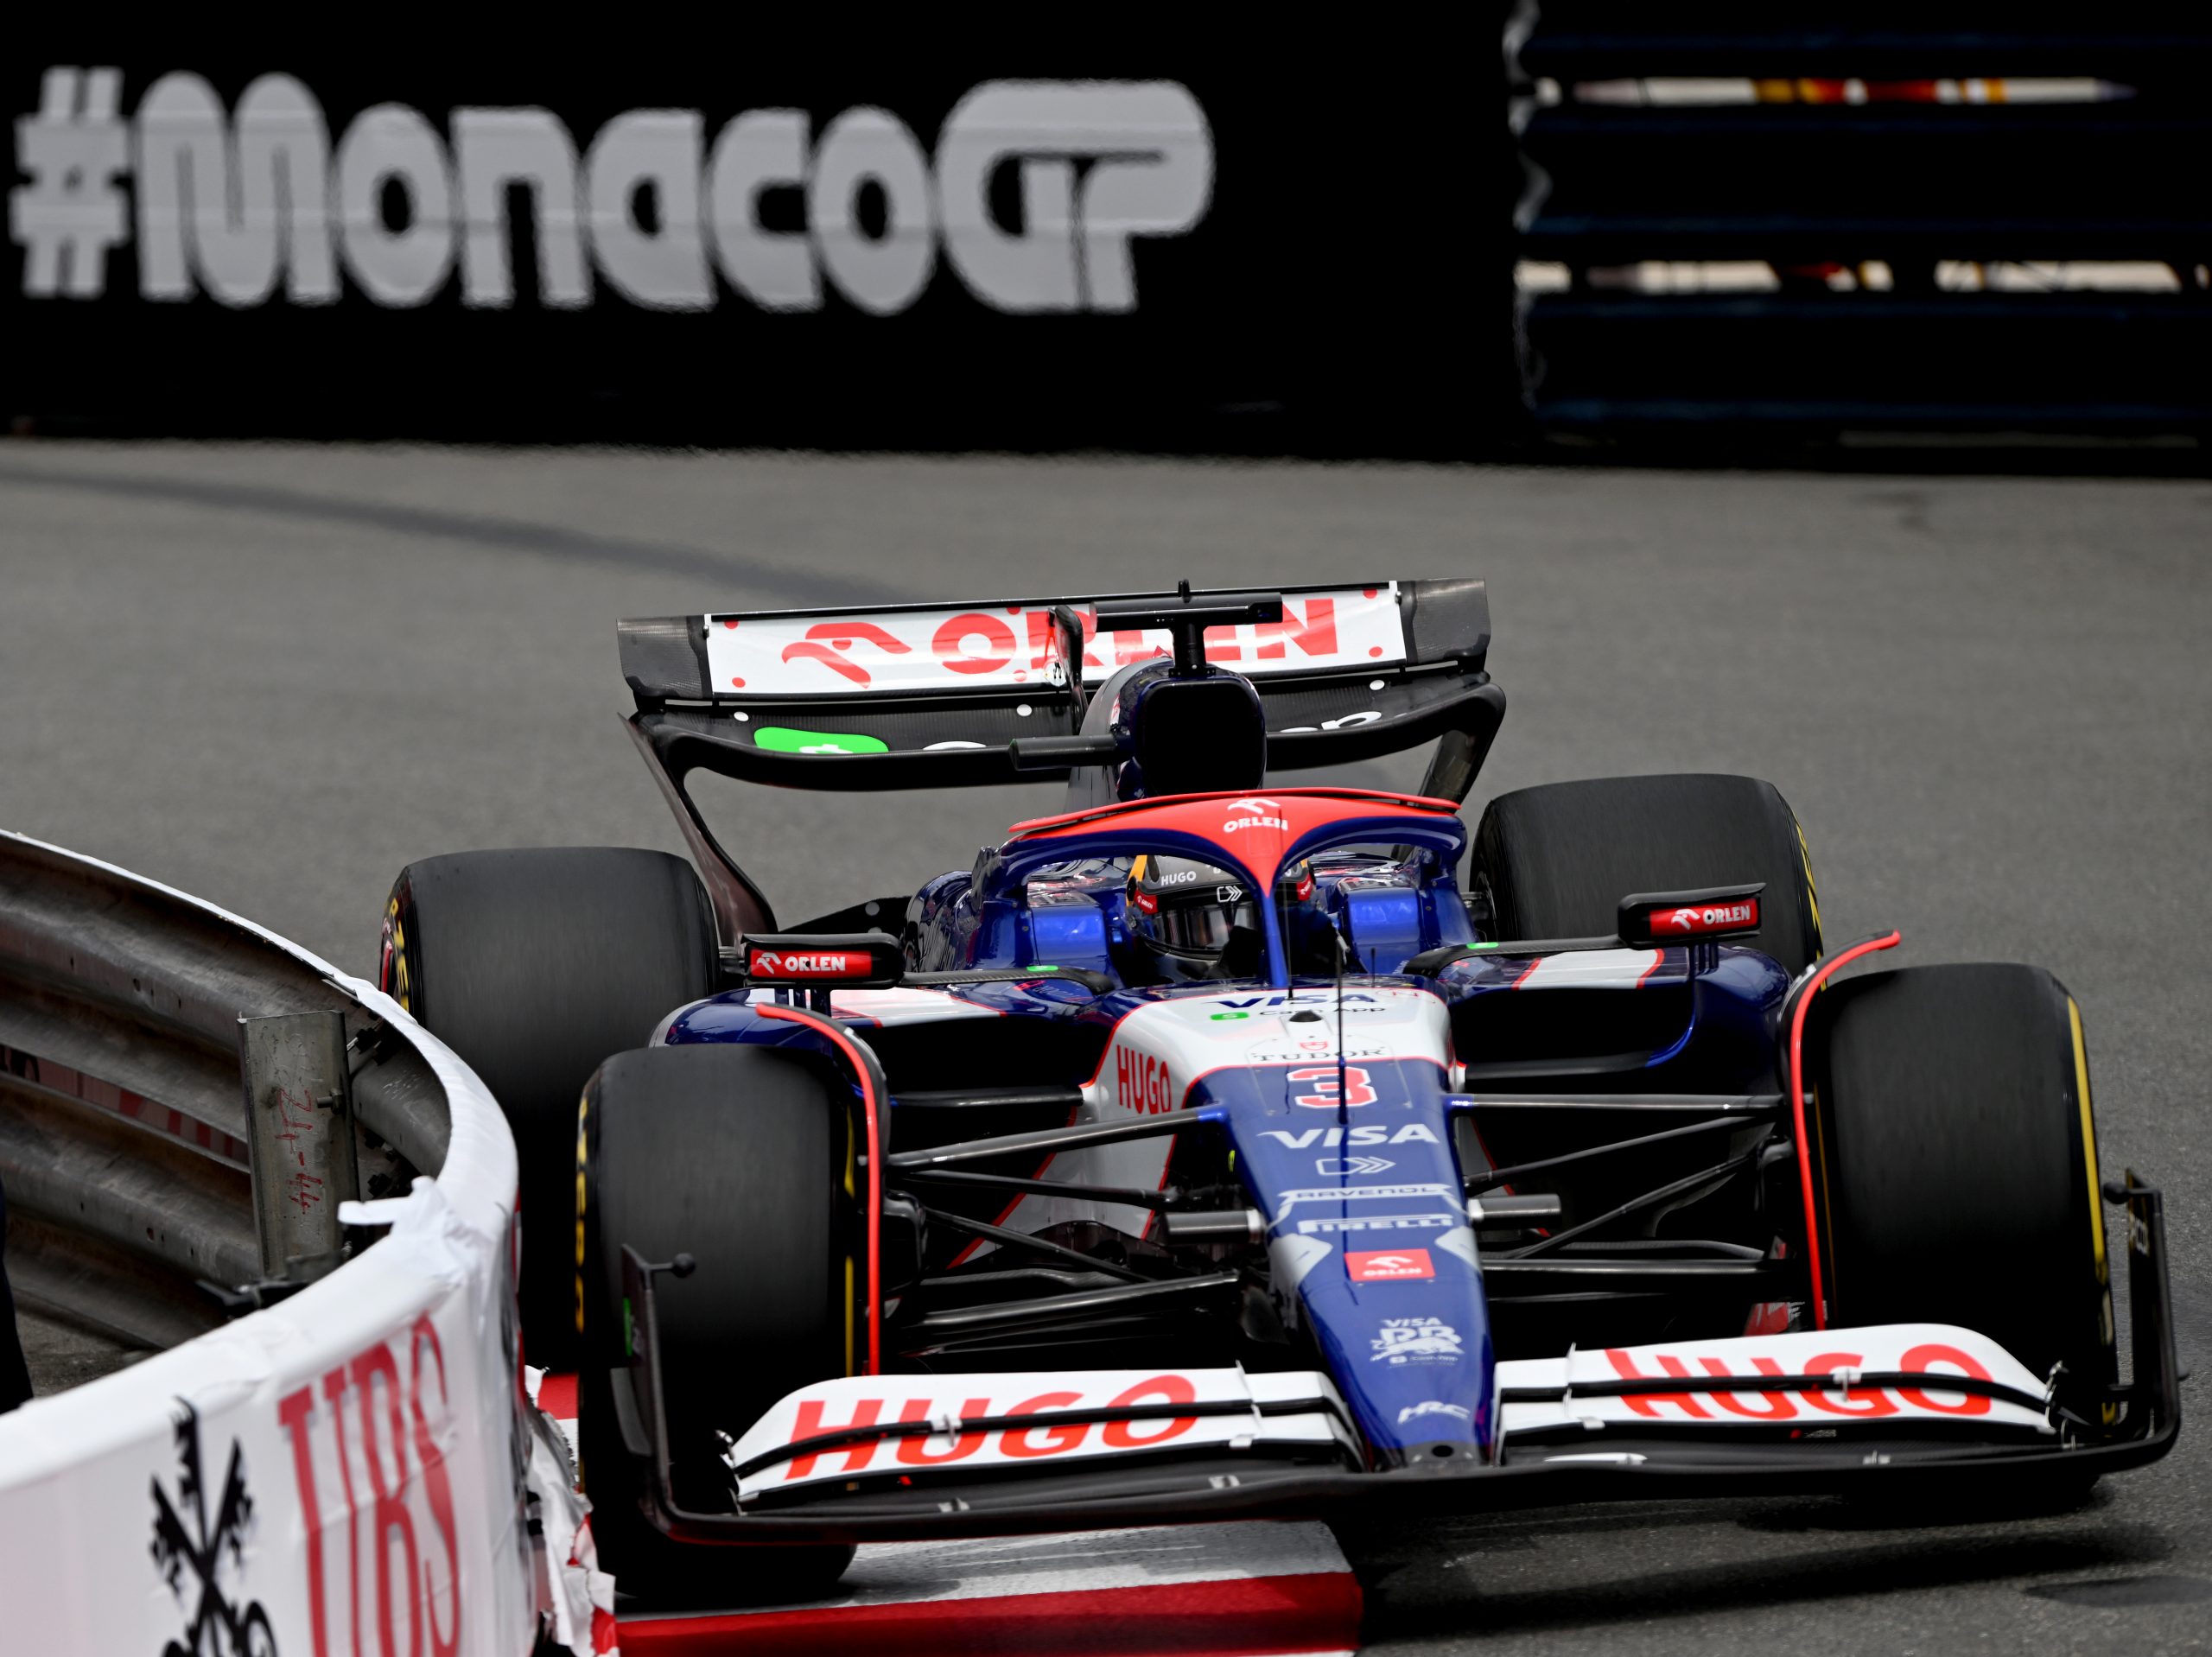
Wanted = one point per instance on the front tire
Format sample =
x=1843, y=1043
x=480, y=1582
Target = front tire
x=1954, y=1138
x=743, y=1157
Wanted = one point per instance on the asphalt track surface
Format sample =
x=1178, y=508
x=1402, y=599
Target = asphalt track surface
x=272, y=676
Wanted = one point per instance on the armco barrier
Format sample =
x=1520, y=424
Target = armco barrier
x=349, y=1471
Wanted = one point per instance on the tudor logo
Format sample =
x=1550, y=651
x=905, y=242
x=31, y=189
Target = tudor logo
x=1693, y=920
x=834, y=964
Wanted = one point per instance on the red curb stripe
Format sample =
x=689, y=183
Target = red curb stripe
x=1246, y=1616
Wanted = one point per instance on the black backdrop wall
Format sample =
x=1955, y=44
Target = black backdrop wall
x=1064, y=235
x=1136, y=231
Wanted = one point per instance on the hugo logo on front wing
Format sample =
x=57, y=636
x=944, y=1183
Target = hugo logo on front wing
x=957, y=1444
x=1777, y=1405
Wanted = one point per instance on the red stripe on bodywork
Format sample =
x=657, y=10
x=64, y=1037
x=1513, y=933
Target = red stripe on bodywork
x=840, y=1039
x=1416, y=804
x=1822, y=974
x=1250, y=1616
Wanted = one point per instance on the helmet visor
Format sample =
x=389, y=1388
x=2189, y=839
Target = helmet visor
x=1202, y=927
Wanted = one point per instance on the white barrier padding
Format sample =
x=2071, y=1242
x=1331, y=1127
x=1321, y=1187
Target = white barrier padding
x=347, y=1472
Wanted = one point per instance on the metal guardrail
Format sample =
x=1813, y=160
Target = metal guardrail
x=124, y=1131
x=151, y=1047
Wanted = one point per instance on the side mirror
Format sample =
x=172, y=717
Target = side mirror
x=1653, y=919
x=823, y=961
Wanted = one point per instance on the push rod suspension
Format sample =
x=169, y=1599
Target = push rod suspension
x=1500, y=1176
x=1009, y=1238
x=1081, y=1307
x=1049, y=1139
x=1131, y=1196
x=1734, y=1104
x=1718, y=1171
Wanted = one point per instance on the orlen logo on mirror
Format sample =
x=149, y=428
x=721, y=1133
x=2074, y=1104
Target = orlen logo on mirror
x=1706, y=918
x=767, y=963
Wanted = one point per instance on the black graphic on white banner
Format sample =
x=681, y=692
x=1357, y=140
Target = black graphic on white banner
x=189, y=1549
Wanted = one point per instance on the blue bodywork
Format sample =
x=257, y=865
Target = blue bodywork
x=1352, y=1159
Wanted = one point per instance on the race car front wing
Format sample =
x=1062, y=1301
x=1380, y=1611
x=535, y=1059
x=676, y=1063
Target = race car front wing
x=1281, y=1445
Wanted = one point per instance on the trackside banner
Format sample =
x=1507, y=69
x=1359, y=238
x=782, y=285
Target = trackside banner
x=267, y=203
x=347, y=1473
x=824, y=237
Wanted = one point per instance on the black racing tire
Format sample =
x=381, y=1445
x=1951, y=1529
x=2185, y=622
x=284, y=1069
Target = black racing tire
x=1956, y=1164
x=742, y=1157
x=1557, y=858
x=534, y=965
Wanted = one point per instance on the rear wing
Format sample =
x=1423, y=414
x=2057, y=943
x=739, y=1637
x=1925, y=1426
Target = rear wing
x=935, y=695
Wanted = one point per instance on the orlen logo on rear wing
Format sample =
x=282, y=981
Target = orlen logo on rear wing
x=1007, y=646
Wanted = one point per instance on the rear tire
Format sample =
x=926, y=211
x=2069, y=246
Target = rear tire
x=533, y=965
x=739, y=1157
x=1559, y=858
x=1957, y=1154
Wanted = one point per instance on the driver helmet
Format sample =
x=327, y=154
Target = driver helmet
x=1184, y=917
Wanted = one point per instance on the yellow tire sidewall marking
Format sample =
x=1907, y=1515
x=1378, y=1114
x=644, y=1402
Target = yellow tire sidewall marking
x=583, y=1115
x=2089, y=1161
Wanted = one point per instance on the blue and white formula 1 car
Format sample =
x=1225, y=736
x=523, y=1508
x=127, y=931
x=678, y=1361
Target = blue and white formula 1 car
x=1207, y=1148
